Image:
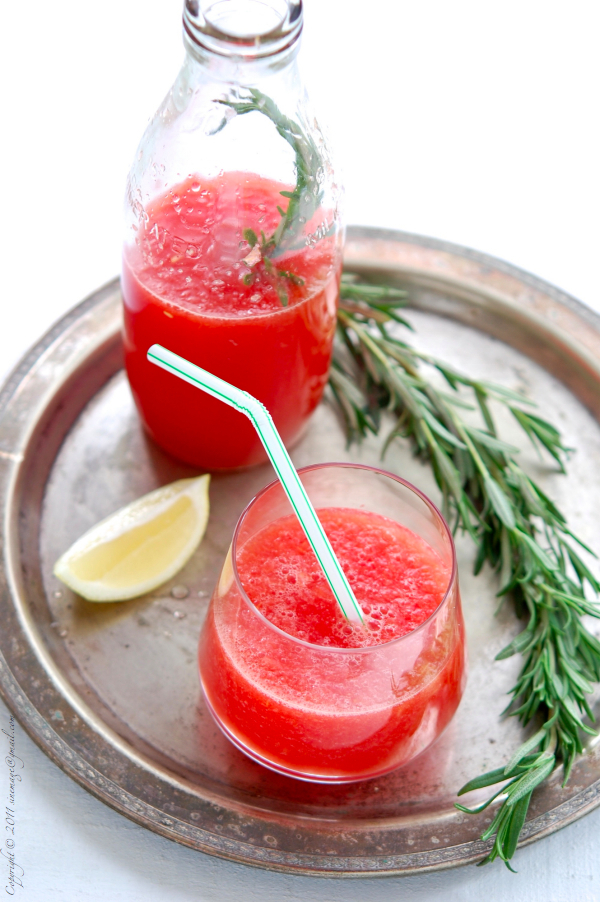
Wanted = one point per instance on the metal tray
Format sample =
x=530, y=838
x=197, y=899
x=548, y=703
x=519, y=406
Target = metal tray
x=110, y=692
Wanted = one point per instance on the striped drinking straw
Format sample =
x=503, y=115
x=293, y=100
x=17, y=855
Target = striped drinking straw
x=264, y=425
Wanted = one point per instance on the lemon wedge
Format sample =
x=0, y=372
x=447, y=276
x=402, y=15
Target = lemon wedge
x=140, y=546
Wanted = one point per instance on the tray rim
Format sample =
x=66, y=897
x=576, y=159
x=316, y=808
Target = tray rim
x=93, y=781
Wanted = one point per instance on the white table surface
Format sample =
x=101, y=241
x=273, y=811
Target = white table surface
x=473, y=122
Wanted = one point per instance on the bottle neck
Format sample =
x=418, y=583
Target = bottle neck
x=242, y=40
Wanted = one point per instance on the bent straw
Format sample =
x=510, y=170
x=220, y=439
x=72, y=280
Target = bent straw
x=264, y=425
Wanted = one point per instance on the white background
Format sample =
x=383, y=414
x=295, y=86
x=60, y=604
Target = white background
x=476, y=122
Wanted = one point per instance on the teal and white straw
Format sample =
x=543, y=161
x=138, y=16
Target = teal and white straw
x=264, y=425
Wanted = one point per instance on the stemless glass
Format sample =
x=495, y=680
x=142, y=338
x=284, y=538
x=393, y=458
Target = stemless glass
x=326, y=713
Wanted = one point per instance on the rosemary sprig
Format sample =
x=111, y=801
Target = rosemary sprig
x=303, y=201
x=518, y=530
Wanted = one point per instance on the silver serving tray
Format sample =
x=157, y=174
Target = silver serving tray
x=110, y=692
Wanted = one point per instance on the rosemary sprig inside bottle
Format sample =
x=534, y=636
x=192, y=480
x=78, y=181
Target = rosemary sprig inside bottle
x=518, y=530
x=302, y=202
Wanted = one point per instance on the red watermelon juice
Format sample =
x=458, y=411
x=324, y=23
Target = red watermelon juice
x=305, y=692
x=189, y=284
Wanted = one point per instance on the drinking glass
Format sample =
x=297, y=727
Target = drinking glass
x=322, y=712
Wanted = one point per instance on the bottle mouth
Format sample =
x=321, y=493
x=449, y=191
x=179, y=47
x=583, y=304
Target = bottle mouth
x=250, y=29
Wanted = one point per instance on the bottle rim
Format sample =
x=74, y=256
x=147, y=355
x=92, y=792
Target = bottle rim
x=246, y=29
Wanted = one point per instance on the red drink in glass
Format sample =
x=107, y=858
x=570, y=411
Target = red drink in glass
x=289, y=680
x=187, y=287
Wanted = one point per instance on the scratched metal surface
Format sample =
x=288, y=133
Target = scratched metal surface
x=110, y=692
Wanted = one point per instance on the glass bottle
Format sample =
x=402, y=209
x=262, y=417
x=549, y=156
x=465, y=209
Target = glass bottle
x=233, y=246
